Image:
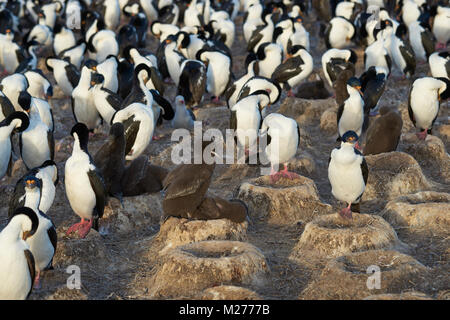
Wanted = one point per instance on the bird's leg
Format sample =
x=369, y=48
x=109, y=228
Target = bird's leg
x=422, y=135
x=75, y=227
x=37, y=280
x=274, y=175
x=346, y=213
x=290, y=175
x=290, y=93
x=440, y=46
x=216, y=100
x=84, y=230
x=156, y=138
x=168, y=81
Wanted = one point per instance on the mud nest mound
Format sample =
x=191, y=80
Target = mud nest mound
x=228, y=293
x=328, y=121
x=179, y=231
x=332, y=236
x=283, y=202
x=85, y=253
x=431, y=154
x=413, y=295
x=303, y=110
x=137, y=213
x=188, y=269
x=366, y=274
x=426, y=211
x=393, y=174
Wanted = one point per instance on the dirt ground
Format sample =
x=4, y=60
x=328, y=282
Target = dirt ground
x=121, y=261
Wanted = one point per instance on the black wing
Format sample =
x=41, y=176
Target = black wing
x=373, y=92
x=447, y=67
x=229, y=92
x=410, y=59
x=410, y=110
x=114, y=100
x=98, y=186
x=31, y=267
x=285, y=71
x=54, y=240
x=17, y=199
x=233, y=120
x=51, y=144
x=428, y=42
x=6, y=105
x=156, y=78
x=255, y=38
x=339, y=113
x=73, y=75
x=168, y=112
x=131, y=129
x=365, y=170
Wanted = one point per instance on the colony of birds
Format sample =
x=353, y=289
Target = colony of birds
x=134, y=71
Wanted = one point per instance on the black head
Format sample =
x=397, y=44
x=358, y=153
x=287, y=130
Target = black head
x=58, y=27
x=354, y=82
x=96, y=78
x=258, y=92
x=48, y=163
x=49, y=92
x=402, y=30
x=116, y=130
x=33, y=218
x=51, y=163
x=32, y=43
x=25, y=121
x=186, y=40
x=31, y=182
x=446, y=93
x=353, y=57
x=250, y=57
x=294, y=49
x=47, y=65
x=126, y=53
x=143, y=67
x=91, y=64
x=25, y=100
x=82, y=132
x=350, y=137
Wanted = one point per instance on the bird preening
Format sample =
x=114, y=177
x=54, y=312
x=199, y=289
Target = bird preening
x=97, y=97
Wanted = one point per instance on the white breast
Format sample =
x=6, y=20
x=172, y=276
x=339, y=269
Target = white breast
x=40, y=244
x=15, y=280
x=345, y=176
x=78, y=187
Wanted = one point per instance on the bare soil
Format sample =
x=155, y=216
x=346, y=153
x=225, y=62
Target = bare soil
x=118, y=263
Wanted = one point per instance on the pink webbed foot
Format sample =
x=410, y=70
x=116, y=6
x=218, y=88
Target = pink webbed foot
x=84, y=230
x=156, y=138
x=290, y=94
x=216, y=100
x=274, y=177
x=287, y=174
x=346, y=213
x=422, y=135
x=440, y=46
x=75, y=227
x=37, y=281
x=357, y=146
